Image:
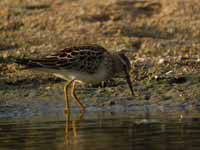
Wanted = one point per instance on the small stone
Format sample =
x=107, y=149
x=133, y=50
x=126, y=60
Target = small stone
x=156, y=77
x=161, y=61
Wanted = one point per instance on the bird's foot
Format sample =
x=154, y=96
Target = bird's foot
x=66, y=111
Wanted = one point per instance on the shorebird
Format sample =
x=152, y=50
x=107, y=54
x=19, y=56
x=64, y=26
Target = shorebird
x=82, y=64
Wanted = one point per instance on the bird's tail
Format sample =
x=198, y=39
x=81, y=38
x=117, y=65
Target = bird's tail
x=9, y=59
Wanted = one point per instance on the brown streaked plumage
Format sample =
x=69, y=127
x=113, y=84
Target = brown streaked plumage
x=86, y=63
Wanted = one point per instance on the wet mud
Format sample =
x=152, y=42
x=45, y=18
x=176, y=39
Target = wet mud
x=161, y=38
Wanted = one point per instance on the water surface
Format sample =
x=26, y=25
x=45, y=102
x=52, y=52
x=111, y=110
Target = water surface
x=103, y=131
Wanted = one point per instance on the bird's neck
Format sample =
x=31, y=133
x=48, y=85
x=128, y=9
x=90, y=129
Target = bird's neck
x=117, y=65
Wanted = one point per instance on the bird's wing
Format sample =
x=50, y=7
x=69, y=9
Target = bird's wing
x=86, y=57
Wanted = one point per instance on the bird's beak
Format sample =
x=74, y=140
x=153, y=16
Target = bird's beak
x=129, y=81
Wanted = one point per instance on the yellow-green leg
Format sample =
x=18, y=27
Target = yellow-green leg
x=74, y=129
x=67, y=128
x=67, y=85
x=73, y=94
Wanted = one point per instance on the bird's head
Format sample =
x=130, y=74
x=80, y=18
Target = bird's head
x=123, y=67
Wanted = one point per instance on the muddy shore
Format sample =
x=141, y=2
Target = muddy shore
x=161, y=37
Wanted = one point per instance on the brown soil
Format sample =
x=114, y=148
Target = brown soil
x=162, y=39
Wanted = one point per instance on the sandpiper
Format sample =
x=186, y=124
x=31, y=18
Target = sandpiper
x=82, y=64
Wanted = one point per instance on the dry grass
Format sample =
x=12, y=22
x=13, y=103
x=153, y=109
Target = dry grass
x=162, y=37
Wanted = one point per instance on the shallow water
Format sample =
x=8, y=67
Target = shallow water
x=103, y=131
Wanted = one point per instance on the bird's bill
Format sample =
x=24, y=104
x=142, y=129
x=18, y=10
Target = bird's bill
x=129, y=82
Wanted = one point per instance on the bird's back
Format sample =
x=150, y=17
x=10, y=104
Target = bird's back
x=85, y=58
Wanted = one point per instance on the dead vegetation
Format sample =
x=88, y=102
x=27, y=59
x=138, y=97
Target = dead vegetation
x=162, y=38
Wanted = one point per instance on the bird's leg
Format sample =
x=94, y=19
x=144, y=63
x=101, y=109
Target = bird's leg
x=67, y=128
x=67, y=85
x=73, y=94
x=75, y=121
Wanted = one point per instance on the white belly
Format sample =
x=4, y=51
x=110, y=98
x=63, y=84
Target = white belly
x=97, y=77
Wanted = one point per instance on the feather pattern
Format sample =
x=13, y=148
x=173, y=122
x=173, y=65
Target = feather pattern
x=86, y=63
x=86, y=58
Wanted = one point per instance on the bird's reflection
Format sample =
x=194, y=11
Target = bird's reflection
x=71, y=137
